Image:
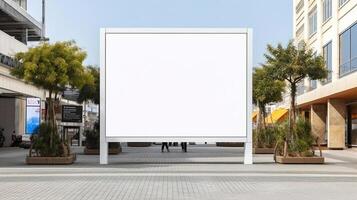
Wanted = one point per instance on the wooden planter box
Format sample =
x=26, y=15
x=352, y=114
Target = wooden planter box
x=111, y=151
x=300, y=160
x=230, y=144
x=139, y=144
x=51, y=160
x=263, y=150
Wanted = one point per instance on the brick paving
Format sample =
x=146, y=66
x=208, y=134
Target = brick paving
x=204, y=173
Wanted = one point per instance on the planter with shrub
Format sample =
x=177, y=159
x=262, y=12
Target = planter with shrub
x=139, y=144
x=264, y=140
x=48, y=149
x=229, y=144
x=92, y=143
x=301, y=148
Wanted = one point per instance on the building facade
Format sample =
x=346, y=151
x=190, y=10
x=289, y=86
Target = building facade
x=329, y=27
x=17, y=27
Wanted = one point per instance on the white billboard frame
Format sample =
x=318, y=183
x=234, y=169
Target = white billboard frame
x=104, y=139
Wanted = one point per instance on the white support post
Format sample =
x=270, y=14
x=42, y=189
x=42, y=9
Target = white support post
x=248, y=146
x=103, y=158
x=103, y=151
x=248, y=153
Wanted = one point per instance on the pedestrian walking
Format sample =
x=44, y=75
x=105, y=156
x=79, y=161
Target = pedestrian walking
x=165, y=144
x=184, y=146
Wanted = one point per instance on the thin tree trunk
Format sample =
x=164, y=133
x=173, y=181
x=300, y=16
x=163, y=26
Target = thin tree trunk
x=259, y=117
x=264, y=115
x=48, y=107
x=50, y=116
x=292, y=118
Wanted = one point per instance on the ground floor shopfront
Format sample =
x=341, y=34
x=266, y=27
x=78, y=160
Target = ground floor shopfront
x=14, y=94
x=334, y=119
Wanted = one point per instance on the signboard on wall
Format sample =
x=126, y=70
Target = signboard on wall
x=176, y=85
x=71, y=113
x=33, y=115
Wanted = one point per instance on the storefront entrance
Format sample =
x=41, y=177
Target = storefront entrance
x=352, y=125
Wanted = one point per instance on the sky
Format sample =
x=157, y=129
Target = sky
x=80, y=20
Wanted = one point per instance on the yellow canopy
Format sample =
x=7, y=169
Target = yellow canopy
x=254, y=116
x=277, y=115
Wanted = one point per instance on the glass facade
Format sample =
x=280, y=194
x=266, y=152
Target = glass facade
x=348, y=50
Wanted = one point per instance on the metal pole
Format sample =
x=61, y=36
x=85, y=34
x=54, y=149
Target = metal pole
x=43, y=33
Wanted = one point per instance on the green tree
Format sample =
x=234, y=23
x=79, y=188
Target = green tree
x=266, y=90
x=90, y=90
x=293, y=65
x=53, y=67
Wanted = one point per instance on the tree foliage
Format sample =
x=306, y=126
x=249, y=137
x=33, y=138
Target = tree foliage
x=293, y=65
x=90, y=90
x=266, y=90
x=53, y=67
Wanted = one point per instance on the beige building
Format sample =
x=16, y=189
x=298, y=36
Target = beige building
x=330, y=28
x=17, y=27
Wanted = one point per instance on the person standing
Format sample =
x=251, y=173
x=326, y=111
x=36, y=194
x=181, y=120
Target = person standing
x=184, y=146
x=165, y=144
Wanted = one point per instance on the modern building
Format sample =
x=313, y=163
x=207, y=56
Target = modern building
x=330, y=28
x=17, y=27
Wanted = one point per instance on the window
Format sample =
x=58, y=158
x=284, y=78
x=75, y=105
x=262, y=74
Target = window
x=342, y=2
x=299, y=6
x=354, y=47
x=327, y=10
x=348, y=50
x=313, y=21
x=327, y=54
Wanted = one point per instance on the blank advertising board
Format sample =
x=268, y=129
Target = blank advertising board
x=175, y=85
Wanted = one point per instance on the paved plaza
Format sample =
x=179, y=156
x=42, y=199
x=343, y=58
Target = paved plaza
x=205, y=172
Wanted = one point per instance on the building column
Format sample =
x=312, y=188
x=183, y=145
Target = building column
x=318, y=116
x=336, y=113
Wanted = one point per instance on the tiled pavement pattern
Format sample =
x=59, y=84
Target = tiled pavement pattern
x=204, y=173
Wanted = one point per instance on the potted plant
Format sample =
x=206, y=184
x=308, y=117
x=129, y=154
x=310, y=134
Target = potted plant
x=264, y=140
x=52, y=67
x=293, y=65
x=48, y=149
x=92, y=143
x=229, y=144
x=139, y=144
x=301, y=148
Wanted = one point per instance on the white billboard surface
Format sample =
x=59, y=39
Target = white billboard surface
x=176, y=84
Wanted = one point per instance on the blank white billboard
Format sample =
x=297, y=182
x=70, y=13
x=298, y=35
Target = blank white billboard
x=175, y=83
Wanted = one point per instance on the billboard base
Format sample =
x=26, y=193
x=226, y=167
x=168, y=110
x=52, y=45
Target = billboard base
x=248, y=153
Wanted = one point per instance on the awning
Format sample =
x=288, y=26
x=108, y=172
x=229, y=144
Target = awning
x=255, y=116
x=278, y=115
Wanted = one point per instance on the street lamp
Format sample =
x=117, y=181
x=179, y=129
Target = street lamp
x=43, y=32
